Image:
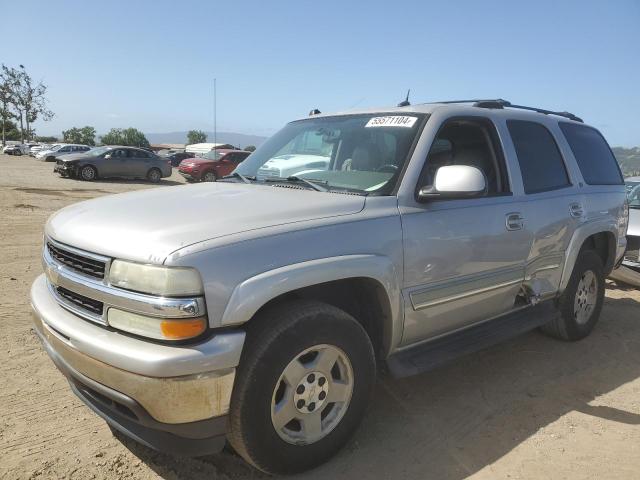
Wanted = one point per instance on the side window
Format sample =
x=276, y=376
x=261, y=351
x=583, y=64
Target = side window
x=538, y=155
x=593, y=155
x=471, y=142
x=139, y=154
x=119, y=153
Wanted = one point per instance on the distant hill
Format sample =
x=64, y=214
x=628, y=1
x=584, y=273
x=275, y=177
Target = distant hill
x=629, y=160
x=239, y=139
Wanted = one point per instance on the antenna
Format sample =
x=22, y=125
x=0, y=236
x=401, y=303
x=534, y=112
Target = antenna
x=405, y=102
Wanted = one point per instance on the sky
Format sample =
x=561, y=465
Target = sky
x=151, y=64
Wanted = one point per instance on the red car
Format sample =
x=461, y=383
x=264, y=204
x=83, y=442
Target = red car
x=215, y=164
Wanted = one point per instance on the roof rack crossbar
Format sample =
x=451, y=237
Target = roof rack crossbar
x=500, y=103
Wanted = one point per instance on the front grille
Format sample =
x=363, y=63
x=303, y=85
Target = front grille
x=81, y=301
x=80, y=263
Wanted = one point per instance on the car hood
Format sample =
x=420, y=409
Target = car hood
x=147, y=226
x=70, y=157
x=634, y=222
x=196, y=161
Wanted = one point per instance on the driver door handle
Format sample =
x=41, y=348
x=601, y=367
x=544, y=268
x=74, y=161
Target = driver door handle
x=514, y=221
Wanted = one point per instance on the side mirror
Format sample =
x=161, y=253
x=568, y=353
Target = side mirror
x=455, y=181
x=108, y=155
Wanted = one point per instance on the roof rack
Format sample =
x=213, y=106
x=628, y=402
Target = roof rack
x=500, y=103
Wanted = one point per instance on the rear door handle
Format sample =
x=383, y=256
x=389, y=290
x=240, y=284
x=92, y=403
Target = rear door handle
x=576, y=210
x=515, y=221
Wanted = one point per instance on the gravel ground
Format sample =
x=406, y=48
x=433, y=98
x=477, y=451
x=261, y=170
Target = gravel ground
x=529, y=408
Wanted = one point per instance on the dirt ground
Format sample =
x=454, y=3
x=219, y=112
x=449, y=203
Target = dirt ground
x=533, y=407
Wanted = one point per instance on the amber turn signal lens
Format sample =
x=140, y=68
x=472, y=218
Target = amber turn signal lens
x=182, y=329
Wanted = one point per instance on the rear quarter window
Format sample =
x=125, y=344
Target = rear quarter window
x=593, y=155
x=539, y=157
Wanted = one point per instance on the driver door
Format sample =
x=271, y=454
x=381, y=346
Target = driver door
x=464, y=258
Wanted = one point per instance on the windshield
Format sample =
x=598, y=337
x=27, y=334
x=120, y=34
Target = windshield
x=633, y=194
x=363, y=153
x=56, y=147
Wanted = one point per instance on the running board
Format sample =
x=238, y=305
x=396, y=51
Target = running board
x=434, y=353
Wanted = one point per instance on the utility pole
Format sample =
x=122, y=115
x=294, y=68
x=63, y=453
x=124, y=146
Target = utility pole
x=215, y=126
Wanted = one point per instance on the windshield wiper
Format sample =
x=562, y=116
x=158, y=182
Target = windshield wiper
x=315, y=184
x=240, y=176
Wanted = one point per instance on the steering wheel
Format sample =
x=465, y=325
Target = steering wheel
x=387, y=167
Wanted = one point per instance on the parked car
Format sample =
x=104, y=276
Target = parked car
x=212, y=165
x=65, y=149
x=257, y=310
x=629, y=271
x=33, y=151
x=176, y=157
x=113, y=161
x=17, y=149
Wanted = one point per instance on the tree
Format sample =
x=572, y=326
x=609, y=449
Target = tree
x=85, y=135
x=196, y=136
x=26, y=97
x=250, y=148
x=128, y=137
x=46, y=139
x=10, y=84
x=11, y=131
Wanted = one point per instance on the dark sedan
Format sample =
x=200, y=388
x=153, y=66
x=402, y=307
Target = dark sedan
x=114, y=161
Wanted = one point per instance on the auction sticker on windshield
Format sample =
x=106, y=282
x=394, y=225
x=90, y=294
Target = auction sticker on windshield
x=392, y=121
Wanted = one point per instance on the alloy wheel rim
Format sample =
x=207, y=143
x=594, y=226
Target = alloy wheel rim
x=209, y=177
x=586, y=297
x=87, y=174
x=312, y=395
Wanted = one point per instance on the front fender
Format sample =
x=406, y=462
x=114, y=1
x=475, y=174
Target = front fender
x=250, y=295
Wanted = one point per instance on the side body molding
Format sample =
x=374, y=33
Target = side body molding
x=583, y=232
x=250, y=295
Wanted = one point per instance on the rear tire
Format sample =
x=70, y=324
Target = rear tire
x=88, y=173
x=309, y=368
x=154, y=175
x=582, y=300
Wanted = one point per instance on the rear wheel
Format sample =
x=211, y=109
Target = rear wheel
x=304, y=381
x=209, y=177
x=88, y=173
x=582, y=300
x=154, y=175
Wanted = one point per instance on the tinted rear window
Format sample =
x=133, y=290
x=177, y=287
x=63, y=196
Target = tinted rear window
x=594, y=157
x=540, y=161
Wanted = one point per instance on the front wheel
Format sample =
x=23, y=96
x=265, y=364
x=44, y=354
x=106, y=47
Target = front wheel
x=582, y=300
x=88, y=173
x=305, y=378
x=209, y=177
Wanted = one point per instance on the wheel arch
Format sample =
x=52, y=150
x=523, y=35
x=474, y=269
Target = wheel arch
x=600, y=237
x=365, y=286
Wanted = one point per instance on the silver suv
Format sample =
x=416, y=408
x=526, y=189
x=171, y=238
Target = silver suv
x=258, y=309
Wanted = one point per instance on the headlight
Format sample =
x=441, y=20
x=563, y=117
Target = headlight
x=158, y=328
x=154, y=279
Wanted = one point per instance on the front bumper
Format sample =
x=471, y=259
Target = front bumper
x=189, y=176
x=183, y=414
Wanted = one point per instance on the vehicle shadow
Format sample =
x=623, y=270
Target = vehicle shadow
x=161, y=183
x=452, y=422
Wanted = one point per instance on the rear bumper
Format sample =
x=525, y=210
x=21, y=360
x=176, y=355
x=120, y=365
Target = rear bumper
x=127, y=416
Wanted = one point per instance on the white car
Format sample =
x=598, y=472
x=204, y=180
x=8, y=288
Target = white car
x=62, y=149
x=17, y=149
x=287, y=165
x=39, y=148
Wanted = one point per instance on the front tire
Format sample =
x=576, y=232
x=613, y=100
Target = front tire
x=582, y=300
x=88, y=173
x=209, y=177
x=304, y=381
